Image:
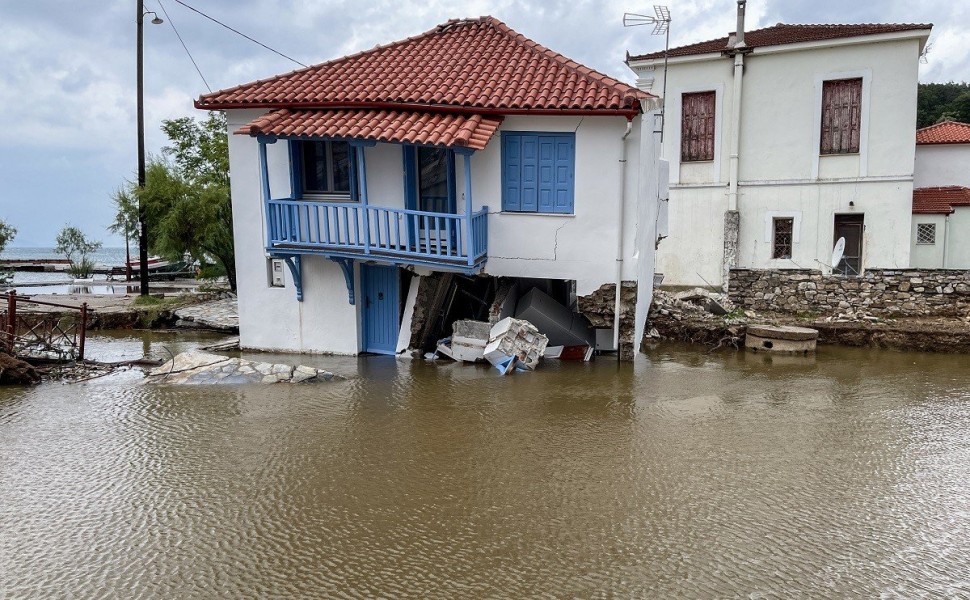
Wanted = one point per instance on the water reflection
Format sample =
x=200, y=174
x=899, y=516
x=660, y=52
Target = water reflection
x=684, y=474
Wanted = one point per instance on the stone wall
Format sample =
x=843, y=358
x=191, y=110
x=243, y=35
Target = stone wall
x=599, y=308
x=885, y=292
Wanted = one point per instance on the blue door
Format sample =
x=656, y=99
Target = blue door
x=381, y=320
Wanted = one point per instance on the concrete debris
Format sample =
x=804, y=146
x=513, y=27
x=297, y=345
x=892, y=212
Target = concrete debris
x=198, y=367
x=780, y=339
x=515, y=339
x=467, y=342
x=221, y=315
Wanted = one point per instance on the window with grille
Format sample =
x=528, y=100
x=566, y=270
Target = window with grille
x=841, y=116
x=697, y=127
x=926, y=233
x=782, y=237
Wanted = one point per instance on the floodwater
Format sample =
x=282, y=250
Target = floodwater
x=681, y=475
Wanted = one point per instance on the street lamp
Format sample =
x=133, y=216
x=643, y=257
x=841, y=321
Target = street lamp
x=142, y=226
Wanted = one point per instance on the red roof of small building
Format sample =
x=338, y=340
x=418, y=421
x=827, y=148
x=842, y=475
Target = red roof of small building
x=409, y=127
x=469, y=66
x=783, y=33
x=939, y=200
x=947, y=132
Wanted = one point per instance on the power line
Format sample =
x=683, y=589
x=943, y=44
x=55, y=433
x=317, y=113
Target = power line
x=179, y=36
x=237, y=32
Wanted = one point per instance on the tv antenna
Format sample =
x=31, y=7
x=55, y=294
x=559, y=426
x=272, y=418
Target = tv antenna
x=838, y=252
x=661, y=26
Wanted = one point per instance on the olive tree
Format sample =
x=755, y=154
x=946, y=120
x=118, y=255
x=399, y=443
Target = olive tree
x=75, y=246
x=7, y=233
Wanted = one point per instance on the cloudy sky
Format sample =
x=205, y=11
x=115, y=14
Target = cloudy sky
x=67, y=70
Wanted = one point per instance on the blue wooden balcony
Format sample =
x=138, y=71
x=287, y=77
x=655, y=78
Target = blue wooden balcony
x=350, y=230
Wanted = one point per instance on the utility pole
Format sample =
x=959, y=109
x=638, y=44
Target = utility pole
x=142, y=226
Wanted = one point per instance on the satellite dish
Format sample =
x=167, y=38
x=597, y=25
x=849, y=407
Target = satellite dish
x=837, y=252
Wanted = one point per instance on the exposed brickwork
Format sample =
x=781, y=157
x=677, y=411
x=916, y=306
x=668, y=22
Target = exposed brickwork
x=887, y=292
x=599, y=306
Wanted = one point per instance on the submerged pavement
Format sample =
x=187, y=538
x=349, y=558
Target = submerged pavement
x=197, y=367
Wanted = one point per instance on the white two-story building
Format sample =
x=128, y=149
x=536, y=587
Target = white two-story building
x=784, y=139
x=469, y=149
x=941, y=200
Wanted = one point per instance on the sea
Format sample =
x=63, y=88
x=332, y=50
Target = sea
x=59, y=282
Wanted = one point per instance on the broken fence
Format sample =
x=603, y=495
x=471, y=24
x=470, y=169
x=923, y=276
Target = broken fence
x=53, y=335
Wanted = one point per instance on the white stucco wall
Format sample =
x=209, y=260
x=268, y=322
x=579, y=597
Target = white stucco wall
x=781, y=170
x=929, y=256
x=940, y=165
x=271, y=318
x=580, y=247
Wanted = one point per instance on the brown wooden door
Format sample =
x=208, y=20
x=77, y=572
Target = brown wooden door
x=851, y=228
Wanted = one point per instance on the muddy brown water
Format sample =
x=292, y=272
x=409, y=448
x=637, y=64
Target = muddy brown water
x=680, y=475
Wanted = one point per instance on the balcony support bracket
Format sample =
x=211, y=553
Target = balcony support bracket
x=347, y=266
x=296, y=270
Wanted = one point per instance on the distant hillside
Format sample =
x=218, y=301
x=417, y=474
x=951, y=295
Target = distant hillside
x=940, y=101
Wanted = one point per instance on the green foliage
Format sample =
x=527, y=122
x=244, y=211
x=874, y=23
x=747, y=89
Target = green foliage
x=148, y=301
x=126, y=214
x=75, y=246
x=7, y=233
x=82, y=269
x=186, y=194
x=938, y=102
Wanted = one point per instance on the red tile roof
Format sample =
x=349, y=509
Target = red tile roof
x=939, y=200
x=782, y=33
x=471, y=65
x=408, y=127
x=947, y=132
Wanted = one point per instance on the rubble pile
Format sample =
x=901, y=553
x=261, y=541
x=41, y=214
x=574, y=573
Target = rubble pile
x=697, y=316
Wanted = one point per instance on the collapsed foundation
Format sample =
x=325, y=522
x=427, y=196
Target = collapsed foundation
x=442, y=299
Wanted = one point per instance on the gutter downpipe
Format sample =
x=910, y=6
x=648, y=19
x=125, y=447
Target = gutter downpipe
x=946, y=236
x=736, y=109
x=619, y=239
x=732, y=218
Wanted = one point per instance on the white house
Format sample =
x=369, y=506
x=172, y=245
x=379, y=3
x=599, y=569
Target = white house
x=782, y=140
x=941, y=200
x=469, y=149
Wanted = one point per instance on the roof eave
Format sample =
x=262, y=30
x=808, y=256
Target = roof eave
x=629, y=112
x=922, y=34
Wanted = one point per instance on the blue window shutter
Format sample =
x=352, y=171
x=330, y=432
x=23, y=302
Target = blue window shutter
x=354, y=192
x=547, y=168
x=529, y=185
x=565, y=172
x=296, y=170
x=538, y=172
x=511, y=172
x=410, y=177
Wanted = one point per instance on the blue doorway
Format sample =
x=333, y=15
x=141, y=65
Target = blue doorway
x=381, y=312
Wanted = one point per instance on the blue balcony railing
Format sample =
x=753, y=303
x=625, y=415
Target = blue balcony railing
x=402, y=236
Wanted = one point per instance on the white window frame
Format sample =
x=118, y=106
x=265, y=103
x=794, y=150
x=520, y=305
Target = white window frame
x=674, y=117
x=770, y=216
x=931, y=225
x=817, y=156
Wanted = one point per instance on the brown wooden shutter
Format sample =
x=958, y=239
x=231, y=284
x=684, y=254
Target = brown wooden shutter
x=697, y=127
x=841, y=116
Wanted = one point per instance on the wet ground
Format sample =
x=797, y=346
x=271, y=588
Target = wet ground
x=681, y=475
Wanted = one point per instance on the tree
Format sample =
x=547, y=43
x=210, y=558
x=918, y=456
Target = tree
x=126, y=222
x=186, y=194
x=937, y=102
x=75, y=246
x=7, y=233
